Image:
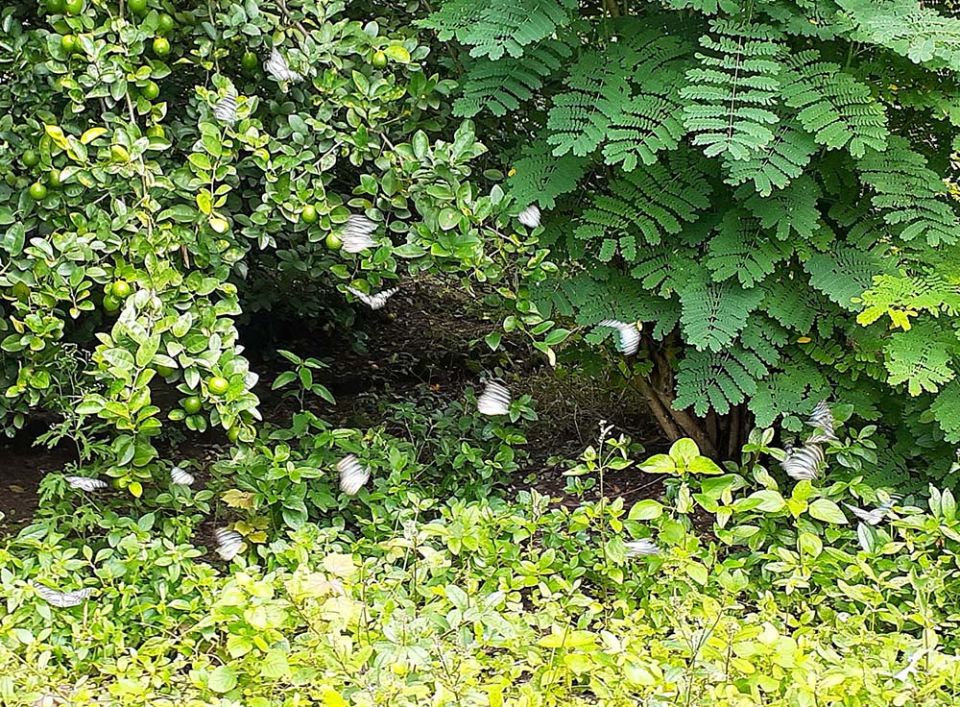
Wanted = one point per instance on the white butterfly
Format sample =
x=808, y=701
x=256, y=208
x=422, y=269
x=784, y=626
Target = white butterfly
x=822, y=419
x=376, y=301
x=641, y=548
x=804, y=463
x=226, y=108
x=278, y=68
x=85, y=483
x=229, y=543
x=356, y=234
x=873, y=516
x=911, y=667
x=63, y=600
x=530, y=216
x=181, y=477
x=628, y=336
x=353, y=475
x=495, y=400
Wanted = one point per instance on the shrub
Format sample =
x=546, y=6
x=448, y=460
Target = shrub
x=176, y=172
x=761, y=185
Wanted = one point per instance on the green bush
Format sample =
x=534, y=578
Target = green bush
x=180, y=179
x=767, y=187
x=759, y=593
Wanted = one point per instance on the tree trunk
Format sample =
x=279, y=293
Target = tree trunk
x=718, y=436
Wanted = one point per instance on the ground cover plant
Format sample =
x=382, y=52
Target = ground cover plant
x=475, y=352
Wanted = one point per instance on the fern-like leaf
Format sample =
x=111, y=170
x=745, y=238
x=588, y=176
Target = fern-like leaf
x=921, y=358
x=501, y=86
x=499, y=27
x=792, y=209
x=906, y=27
x=651, y=120
x=714, y=313
x=718, y=380
x=845, y=273
x=743, y=249
x=833, y=106
x=780, y=161
x=650, y=204
x=598, y=90
x=946, y=411
x=909, y=194
x=733, y=94
x=539, y=178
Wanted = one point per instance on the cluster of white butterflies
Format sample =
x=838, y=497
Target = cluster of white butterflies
x=806, y=462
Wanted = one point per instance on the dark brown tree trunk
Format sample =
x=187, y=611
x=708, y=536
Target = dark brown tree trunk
x=718, y=436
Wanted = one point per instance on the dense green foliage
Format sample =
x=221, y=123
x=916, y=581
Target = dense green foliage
x=135, y=222
x=761, y=192
x=760, y=184
x=761, y=594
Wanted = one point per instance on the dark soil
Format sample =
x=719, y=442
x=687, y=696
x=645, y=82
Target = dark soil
x=426, y=339
x=21, y=468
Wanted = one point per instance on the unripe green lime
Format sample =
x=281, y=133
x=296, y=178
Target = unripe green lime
x=68, y=43
x=309, y=214
x=249, y=61
x=379, y=59
x=150, y=90
x=332, y=241
x=111, y=303
x=161, y=47
x=192, y=404
x=165, y=24
x=53, y=178
x=38, y=192
x=30, y=158
x=73, y=7
x=137, y=7
x=218, y=385
x=55, y=7
x=121, y=289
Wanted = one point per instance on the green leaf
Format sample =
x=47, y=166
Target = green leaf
x=223, y=679
x=647, y=509
x=827, y=511
x=398, y=53
x=659, y=464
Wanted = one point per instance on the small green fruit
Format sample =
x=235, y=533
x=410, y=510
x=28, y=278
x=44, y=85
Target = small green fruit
x=165, y=24
x=218, y=385
x=309, y=214
x=379, y=59
x=30, y=159
x=121, y=289
x=161, y=47
x=73, y=7
x=137, y=7
x=38, y=192
x=249, y=61
x=150, y=90
x=192, y=405
x=53, y=178
x=332, y=241
x=68, y=43
x=110, y=303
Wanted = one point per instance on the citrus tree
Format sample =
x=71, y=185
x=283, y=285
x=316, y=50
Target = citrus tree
x=162, y=156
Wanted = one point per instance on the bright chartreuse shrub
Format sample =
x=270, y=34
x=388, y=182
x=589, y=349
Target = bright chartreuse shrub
x=758, y=592
x=766, y=186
